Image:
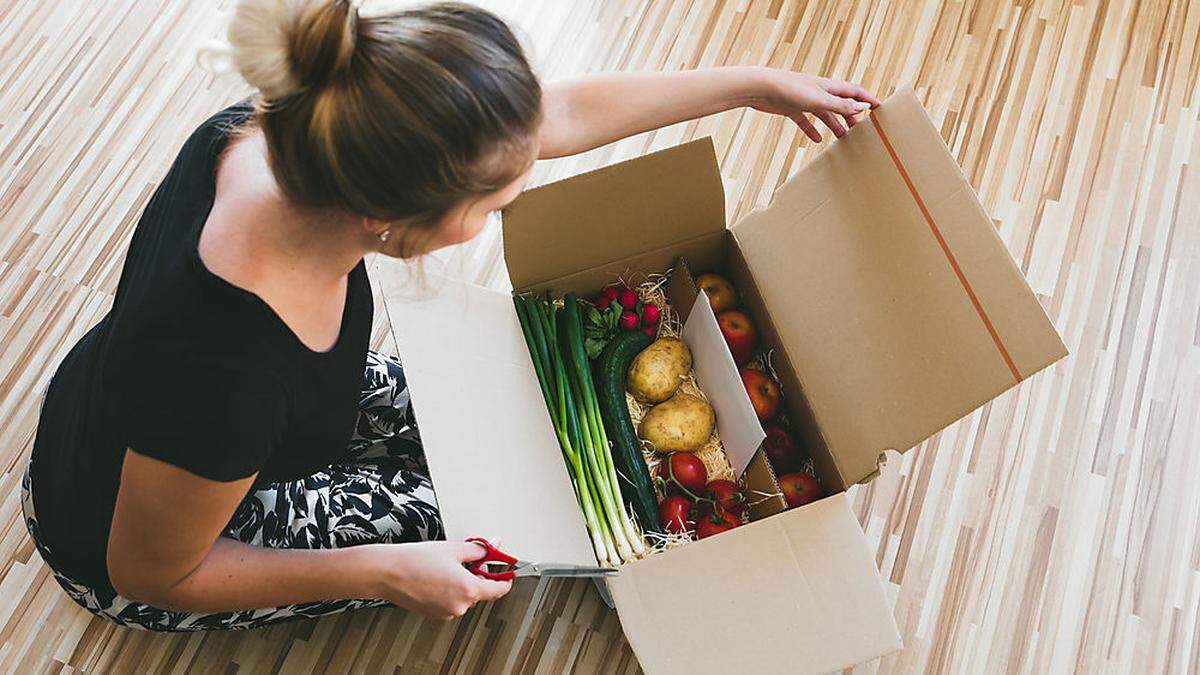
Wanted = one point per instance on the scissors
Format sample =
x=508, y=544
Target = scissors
x=521, y=568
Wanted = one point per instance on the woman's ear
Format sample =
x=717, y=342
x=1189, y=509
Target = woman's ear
x=374, y=226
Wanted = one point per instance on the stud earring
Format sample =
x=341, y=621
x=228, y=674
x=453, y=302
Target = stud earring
x=383, y=236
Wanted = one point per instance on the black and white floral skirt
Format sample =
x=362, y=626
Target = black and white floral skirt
x=379, y=492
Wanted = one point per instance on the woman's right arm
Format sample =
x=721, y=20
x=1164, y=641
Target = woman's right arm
x=165, y=550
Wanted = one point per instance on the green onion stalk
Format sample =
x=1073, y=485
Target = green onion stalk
x=555, y=342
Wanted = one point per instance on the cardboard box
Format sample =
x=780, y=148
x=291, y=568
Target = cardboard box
x=893, y=308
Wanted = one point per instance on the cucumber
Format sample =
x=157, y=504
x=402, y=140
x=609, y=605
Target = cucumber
x=611, y=371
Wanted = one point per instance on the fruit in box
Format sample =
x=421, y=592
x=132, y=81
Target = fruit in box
x=725, y=496
x=764, y=393
x=683, y=470
x=781, y=447
x=674, y=511
x=800, y=488
x=740, y=334
x=715, y=523
x=720, y=292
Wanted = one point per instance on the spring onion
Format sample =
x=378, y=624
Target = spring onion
x=555, y=342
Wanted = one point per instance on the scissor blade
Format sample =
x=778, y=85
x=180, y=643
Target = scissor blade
x=551, y=570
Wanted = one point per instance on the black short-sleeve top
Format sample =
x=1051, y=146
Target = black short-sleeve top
x=189, y=369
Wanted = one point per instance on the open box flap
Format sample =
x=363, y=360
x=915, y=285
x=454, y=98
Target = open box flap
x=594, y=218
x=798, y=592
x=895, y=299
x=493, y=457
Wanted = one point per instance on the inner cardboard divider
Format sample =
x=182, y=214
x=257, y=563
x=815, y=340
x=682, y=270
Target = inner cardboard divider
x=758, y=477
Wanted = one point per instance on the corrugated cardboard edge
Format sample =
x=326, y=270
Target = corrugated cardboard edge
x=595, y=218
x=685, y=609
x=465, y=357
x=1046, y=346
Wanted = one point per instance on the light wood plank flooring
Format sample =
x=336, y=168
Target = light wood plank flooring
x=1053, y=531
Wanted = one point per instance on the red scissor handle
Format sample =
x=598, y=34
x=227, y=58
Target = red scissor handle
x=491, y=554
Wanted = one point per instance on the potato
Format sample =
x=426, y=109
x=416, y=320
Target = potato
x=683, y=423
x=659, y=370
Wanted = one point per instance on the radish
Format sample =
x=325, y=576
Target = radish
x=628, y=298
x=651, y=314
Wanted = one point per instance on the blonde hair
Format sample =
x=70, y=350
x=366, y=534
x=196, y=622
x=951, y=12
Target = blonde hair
x=398, y=116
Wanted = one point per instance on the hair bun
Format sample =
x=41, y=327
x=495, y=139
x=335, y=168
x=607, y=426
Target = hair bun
x=281, y=47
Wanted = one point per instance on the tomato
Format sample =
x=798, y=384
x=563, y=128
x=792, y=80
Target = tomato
x=683, y=469
x=727, y=497
x=716, y=523
x=674, y=512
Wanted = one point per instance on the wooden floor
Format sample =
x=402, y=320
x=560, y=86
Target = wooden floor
x=1055, y=530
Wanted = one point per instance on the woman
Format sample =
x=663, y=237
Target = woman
x=211, y=455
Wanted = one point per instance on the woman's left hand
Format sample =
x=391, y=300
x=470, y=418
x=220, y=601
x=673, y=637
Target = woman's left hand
x=796, y=95
x=588, y=112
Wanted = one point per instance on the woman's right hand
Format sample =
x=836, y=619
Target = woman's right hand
x=429, y=577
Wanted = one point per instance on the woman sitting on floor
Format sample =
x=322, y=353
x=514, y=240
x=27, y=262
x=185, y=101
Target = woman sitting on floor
x=222, y=450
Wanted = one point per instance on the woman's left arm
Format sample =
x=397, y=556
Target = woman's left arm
x=585, y=113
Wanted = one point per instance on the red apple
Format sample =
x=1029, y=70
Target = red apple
x=740, y=334
x=800, y=488
x=781, y=447
x=764, y=393
x=720, y=292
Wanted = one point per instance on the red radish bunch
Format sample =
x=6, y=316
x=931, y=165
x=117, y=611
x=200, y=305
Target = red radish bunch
x=628, y=312
x=617, y=308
